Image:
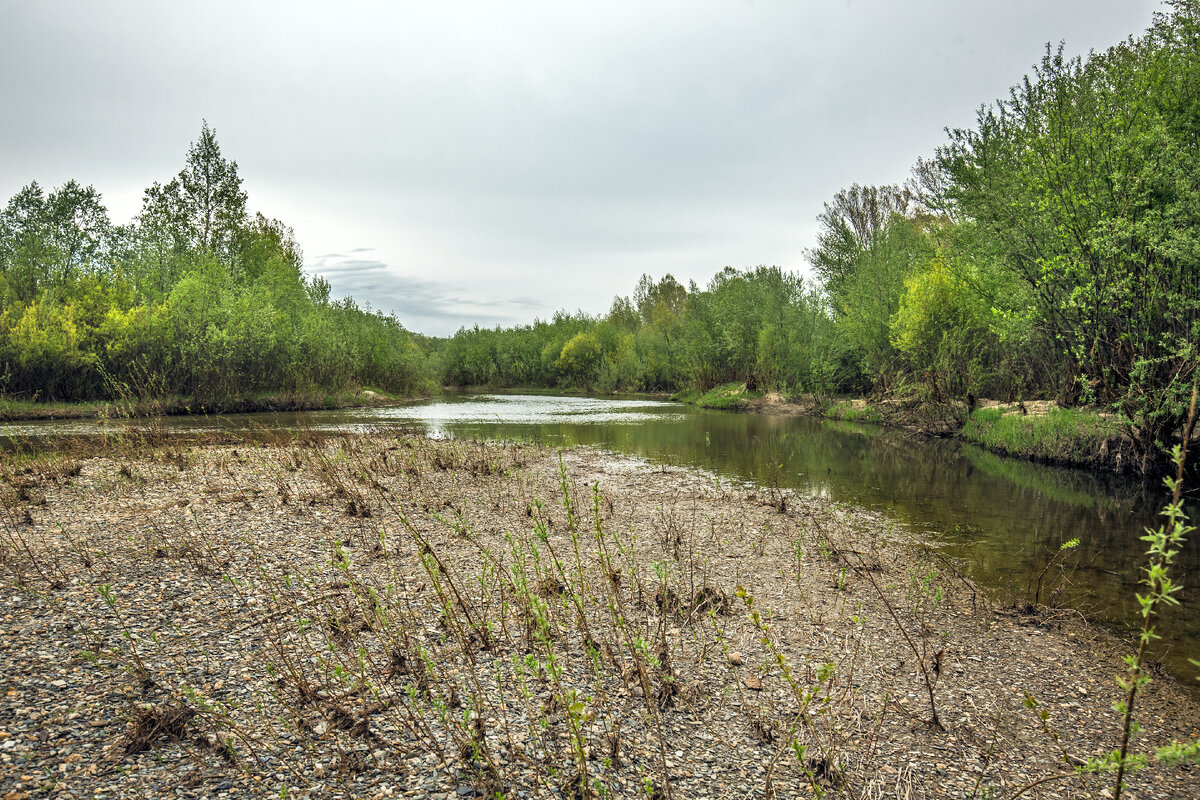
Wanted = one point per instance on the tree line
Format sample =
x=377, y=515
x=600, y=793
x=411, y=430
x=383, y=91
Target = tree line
x=1051, y=250
x=196, y=298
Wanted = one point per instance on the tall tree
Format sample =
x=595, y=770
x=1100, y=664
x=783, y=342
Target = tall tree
x=850, y=224
x=660, y=302
x=25, y=253
x=203, y=208
x=78, y=227
x=48, y=239
x=1088, y=178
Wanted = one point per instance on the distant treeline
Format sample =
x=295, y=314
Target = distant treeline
x=764, y=327
x=1053, y=250
x=195, y=298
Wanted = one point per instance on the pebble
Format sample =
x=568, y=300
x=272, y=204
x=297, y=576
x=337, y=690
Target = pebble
x=79, y=709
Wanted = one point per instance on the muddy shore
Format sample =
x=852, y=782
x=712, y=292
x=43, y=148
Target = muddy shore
x=382, y=616
x=11, y=411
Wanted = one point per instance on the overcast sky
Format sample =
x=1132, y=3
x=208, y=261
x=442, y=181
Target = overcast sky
x=491, y=162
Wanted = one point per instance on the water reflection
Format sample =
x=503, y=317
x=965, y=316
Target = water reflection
x=502, y=412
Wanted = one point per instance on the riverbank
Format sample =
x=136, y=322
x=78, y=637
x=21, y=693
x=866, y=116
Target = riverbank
x=1037, y=431
x=393, y=616
x=557, y=391
x=21, y=411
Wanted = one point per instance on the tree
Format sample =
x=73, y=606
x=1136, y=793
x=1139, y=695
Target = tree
x=869, y=292
x=195, y=300
x=623, y=315
x=659, y=303
x=25, y=252
x=662, y=307
x=580, y=357
x=850, y=225
x=46, y=240
x=78, y=228
x=203, y=208
x=269, y=246
x=1088, y=178
x=941, y=330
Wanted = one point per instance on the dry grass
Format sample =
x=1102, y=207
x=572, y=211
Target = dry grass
x=373, y=615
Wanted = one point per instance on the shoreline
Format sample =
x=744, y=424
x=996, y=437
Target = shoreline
x=1082, y=444
x=1037, y=431
x=366, y=614
x=21, y=411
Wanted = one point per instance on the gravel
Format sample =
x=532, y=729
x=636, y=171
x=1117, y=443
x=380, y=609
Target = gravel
x=344, y=617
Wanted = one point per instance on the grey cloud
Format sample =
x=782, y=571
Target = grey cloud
x=418, y=303
x=340, y=265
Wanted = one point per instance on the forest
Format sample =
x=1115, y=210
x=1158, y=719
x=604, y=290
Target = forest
x=1050, y=251
x=195, y=299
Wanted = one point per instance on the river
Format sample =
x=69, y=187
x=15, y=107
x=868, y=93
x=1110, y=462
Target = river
x=999, y=519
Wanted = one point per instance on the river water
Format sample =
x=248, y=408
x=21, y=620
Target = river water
x=999, y=519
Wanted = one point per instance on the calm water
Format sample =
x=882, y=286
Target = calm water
x=1000, y=519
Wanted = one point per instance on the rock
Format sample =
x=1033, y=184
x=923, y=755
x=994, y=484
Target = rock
x=735, y=658
x=752, y=683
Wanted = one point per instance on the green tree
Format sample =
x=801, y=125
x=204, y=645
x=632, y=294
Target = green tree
x=78, y=228
x=25, y=251
x=870, y=293
x=46, y=343
x=46, y=240
x=203, y=208
x=580, y=357
x=660, y=303
x=941, y=330
x=850, y=225
x=623, y=315
x=1088, y=178
x=195, y=300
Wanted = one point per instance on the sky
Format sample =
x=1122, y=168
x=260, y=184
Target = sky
x=489, y=163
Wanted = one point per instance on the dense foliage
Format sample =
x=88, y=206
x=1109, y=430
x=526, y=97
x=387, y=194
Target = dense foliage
x=764, y=327
x=1053, y=251
x=195, y=298
x=1086, y=181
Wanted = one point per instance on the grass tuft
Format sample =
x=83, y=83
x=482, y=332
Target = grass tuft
x=726, y=396
x=1060, y=435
